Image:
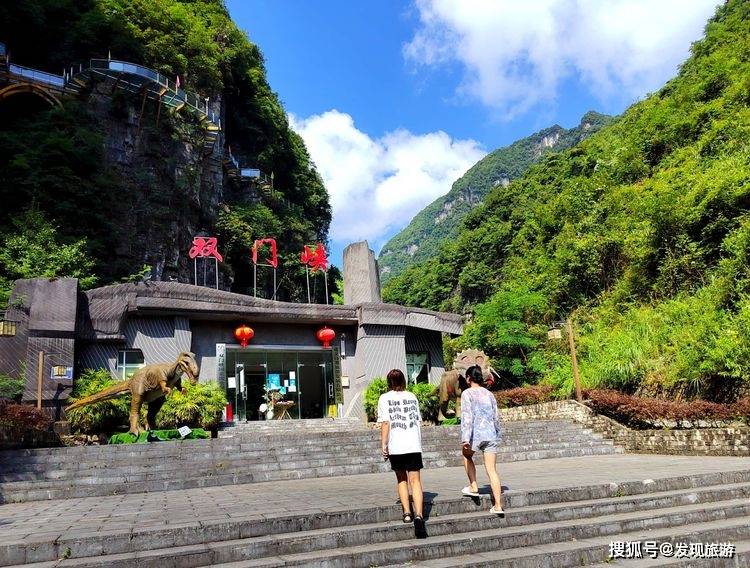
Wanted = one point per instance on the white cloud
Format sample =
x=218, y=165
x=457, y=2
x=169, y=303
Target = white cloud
x=515, y=54
x=378, y=185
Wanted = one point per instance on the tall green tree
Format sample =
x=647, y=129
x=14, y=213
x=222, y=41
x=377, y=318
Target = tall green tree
x=33, y=249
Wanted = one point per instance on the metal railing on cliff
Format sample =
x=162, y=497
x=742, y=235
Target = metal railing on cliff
x=128, y=76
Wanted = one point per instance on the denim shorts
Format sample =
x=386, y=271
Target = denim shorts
x=489, y=447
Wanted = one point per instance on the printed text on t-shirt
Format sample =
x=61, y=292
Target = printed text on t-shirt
x=403, y=415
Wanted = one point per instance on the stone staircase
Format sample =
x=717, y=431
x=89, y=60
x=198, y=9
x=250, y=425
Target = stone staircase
x=552, y=527
x=256, y=452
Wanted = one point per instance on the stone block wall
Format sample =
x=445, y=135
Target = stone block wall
x=729, y=441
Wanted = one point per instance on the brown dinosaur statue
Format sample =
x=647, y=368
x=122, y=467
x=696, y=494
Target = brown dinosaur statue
x=149, y=384
x=452, y=382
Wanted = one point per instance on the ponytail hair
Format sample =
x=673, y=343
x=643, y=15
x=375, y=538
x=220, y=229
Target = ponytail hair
x=475, y=375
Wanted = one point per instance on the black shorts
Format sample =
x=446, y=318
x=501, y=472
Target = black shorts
x=406, y=462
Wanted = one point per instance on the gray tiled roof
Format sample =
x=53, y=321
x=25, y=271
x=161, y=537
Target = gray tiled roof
x=104, y=309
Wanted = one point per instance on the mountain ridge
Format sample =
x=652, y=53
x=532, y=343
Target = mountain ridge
x=441, y=219
x=639, y=235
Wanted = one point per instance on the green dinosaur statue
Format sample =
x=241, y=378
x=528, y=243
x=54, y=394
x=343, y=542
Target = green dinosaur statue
x=149, y=384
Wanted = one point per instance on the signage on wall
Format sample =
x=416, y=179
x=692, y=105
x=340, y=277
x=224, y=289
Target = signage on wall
x=221, y=369
x=61, y=373
x=338, y=390
x=274, y=381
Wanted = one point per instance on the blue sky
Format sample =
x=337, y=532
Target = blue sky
x=396, y=100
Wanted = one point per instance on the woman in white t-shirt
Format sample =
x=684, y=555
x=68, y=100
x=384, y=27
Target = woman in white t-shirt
x=401, y=441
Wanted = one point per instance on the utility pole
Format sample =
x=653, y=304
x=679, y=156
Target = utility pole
x=574, y=359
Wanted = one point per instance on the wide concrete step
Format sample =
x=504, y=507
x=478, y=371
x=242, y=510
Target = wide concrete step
x=125, y=475
x=29, y=475
x=741, y=558
x=275, y=457
x=576, y=523
x=91, y=485
x=594, y=552
x=177, y=449
x=490, y=540
x=189, y=447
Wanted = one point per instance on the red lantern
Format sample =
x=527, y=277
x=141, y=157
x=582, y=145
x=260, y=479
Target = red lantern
x=325, y=335
x=244, y=333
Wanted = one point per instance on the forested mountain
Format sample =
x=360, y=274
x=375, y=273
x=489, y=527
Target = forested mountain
x=107, y=184
x=641, y=233
x=441, y=219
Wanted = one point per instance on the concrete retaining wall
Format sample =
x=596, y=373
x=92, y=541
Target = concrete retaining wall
x=729, y=441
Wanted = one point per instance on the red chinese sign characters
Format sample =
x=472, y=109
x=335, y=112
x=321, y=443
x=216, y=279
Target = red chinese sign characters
x=315, y=259
x=204, y=247
x=258, y=244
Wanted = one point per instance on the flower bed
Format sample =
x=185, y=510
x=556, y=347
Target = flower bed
x=25, y=426
x=643, y=413
x=523, y=396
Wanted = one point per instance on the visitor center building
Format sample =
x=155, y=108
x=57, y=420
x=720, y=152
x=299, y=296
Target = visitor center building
x=53, y=331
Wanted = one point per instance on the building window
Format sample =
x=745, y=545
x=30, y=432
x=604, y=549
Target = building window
x=128, y=362
x=417, y=368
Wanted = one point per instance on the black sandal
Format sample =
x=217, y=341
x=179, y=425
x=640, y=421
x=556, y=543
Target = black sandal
x=420, y=531
x=408, y=518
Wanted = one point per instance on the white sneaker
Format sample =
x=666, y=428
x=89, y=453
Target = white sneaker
x=497, y=511
x=469, y=493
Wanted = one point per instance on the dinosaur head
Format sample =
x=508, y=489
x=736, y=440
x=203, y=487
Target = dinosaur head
x=186, y=362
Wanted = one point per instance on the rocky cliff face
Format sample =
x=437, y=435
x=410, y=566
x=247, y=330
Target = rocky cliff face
x=172, y=187
x=135, y=181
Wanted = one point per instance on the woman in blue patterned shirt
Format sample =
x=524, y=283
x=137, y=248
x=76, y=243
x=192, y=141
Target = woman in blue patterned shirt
x=480, y=431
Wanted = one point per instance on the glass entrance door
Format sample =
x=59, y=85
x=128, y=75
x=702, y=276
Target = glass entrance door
x=302, y=377
x=250, y=371
x=312, y=385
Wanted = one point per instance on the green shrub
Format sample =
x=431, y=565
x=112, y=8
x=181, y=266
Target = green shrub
x=11, y=387
x=373, y=391
x=199, y=407
x=105, y=416
x=427, y=397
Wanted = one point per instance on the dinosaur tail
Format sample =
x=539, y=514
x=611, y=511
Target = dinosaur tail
x=106, y=394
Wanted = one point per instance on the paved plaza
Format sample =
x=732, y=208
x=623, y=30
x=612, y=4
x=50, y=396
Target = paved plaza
x=62, y=519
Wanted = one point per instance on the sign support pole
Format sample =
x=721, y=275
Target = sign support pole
x=216, y=271
x=325, y=277
x=274, y=283
x=255, y=280
x=195, y=271
x=307, y=278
